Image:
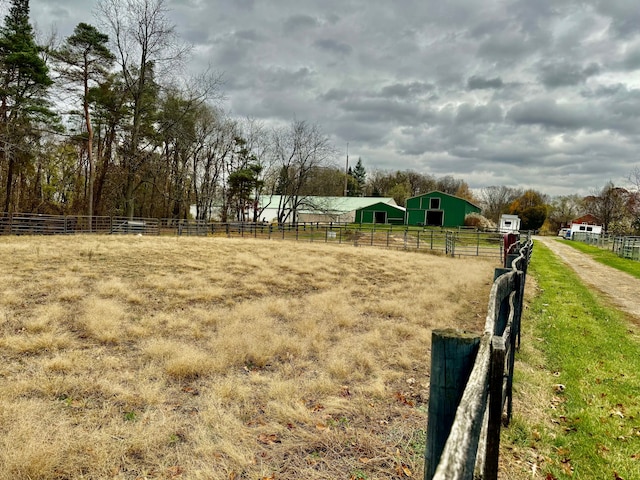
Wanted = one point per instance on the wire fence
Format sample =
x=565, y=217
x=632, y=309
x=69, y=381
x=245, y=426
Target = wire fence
x=623, y=246
x=455, y=242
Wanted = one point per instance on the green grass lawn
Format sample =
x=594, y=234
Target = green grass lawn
x=577, y=382
x=609, y=258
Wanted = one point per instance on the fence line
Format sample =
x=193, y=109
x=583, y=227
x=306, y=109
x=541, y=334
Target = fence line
x=473, y=439
x=452, y=243
x=460, y=242
x=623, y=246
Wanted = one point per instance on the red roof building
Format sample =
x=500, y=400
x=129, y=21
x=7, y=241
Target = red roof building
x=589, y=219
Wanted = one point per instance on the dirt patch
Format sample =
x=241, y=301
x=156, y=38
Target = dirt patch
x=620, y=288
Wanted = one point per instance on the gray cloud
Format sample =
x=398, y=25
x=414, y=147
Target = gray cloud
x=480, y=83
x=406, y=90
x=548, y=113
x=624, y=16
x=631, y=60
x=297, y=23
x=562, y=74
x=481, y=114
x=538, y=94
x=333, y=46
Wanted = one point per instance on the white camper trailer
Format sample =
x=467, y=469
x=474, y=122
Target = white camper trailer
x=509, y=224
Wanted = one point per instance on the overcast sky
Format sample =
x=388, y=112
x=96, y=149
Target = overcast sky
x=538, y=94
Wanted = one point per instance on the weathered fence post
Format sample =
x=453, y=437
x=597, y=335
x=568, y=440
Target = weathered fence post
x=452, y=356
x=498, y=355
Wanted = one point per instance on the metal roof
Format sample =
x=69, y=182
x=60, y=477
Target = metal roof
x=314, y=204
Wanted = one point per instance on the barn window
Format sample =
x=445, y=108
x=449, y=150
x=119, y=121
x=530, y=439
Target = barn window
x=434, y=203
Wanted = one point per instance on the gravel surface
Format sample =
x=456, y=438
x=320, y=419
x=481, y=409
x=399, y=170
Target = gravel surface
x=620, y=288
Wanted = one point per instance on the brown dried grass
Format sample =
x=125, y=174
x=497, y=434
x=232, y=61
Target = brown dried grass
x=129, y=357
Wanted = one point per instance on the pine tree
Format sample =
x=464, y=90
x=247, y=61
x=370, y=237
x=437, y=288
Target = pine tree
x=360, y=176
x=85, y=60
x=24, y=79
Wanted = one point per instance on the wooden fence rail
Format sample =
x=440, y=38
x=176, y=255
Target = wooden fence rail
x=467, y=447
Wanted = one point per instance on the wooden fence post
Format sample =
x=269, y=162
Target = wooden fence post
x=452, y=357
x=498, y=354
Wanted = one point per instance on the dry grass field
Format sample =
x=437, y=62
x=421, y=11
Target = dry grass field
x=210, y=358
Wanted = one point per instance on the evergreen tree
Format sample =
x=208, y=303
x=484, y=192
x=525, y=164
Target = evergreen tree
x=360, y=176
x=85, y=60
x=24, y=79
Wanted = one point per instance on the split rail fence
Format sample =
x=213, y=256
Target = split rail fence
x=471, y=384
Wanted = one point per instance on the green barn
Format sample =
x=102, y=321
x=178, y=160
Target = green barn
x=438, y=209
x=380, y=212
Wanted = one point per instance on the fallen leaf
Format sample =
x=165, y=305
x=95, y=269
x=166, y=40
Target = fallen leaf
x=175, y=471
x=268, y=439
x=616, y=476
x=404, y=400
x=364, y=460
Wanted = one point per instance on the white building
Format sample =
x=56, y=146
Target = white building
x=509, y=224
x=317, y=209
x=585, y=228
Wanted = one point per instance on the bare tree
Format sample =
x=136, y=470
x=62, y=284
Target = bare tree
x=609, y=205
x=147, y=47
x=215, y=142
x=634, y=198
x=563, y=209
x=496, y=200
x=297, y=151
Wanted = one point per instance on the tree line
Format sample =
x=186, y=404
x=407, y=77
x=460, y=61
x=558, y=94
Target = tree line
x=98, y=124
x=616, y=208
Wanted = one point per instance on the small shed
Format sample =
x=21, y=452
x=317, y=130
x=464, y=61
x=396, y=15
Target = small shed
x=381, y=212
x=509, y=223
x=439, y=209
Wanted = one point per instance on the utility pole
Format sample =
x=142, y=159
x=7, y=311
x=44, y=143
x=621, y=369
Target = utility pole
x=346, y=173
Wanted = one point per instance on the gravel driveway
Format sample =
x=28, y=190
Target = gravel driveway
x=621, y=289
